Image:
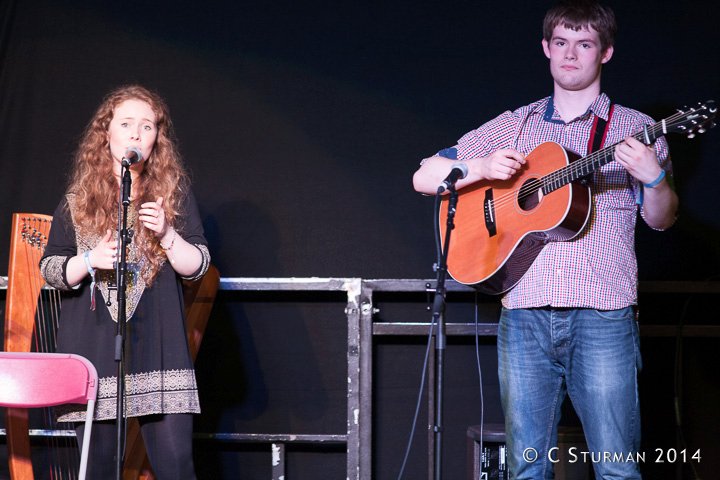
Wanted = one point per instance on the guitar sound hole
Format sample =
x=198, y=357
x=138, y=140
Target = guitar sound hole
x=530, y=194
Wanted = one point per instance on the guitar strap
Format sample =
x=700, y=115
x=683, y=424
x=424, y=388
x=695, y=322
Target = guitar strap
x=599, y=131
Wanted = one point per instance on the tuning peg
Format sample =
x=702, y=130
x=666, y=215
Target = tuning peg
x=691, y=135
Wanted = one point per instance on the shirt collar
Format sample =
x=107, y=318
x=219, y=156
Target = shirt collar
x=600, y=107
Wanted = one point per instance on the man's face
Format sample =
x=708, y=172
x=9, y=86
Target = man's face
x=575, y=57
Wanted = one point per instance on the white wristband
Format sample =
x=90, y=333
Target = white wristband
x=90, y=269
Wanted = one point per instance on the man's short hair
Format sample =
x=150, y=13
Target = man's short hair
x=580, y=14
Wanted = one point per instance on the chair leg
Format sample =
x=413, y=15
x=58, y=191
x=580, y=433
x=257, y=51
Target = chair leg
x=86, y=439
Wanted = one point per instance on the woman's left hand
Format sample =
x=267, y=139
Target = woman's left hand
x=152, y=215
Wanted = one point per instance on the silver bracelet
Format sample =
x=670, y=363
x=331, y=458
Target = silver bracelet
x=172, y=242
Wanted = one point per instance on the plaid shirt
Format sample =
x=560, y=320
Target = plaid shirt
x=596, y=269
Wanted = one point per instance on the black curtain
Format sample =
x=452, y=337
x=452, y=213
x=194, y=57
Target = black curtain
x=302, y=123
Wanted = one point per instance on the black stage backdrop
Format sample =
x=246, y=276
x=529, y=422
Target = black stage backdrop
x=302, y=123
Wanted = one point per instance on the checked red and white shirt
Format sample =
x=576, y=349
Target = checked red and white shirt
x=598, y=268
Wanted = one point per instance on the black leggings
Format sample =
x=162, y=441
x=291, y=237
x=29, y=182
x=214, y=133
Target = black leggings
x=167, y=438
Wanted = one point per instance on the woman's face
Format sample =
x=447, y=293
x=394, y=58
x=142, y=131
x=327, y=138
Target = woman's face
x=132, y=125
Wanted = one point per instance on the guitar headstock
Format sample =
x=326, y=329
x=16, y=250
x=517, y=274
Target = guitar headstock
x=693, y=120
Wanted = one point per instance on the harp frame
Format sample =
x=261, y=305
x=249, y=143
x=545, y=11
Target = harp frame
x=29, y=234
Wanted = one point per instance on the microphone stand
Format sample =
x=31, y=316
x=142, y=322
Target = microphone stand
x=438, y=315
x=121, y=283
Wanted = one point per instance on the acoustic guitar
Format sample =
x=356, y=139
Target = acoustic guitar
x=501, y=226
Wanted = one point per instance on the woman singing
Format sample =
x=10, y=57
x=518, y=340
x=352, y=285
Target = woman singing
x=166, y=244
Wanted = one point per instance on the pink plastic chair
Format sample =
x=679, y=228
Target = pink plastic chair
x=32, y=380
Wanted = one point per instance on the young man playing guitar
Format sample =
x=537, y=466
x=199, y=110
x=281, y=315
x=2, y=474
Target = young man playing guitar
x=568, y=326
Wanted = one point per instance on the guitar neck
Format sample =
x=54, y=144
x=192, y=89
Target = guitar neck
x=589, y=164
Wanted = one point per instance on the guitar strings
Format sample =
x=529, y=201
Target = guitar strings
x=578, y=168
x=562, y=175
x=574, y=169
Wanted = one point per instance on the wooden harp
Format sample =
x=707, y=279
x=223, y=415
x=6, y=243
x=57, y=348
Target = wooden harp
x=23, y=311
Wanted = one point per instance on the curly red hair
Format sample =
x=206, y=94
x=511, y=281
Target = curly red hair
x=95, y=186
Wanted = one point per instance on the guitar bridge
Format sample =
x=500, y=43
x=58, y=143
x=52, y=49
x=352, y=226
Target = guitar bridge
x=489, y=210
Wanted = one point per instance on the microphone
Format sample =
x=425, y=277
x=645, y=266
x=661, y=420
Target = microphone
x=459, y=171
x=132, y=155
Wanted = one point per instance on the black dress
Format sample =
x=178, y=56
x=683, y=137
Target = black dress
x=159, y=371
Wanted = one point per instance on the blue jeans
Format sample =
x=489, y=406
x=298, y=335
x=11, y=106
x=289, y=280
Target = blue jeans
x=591, y=355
